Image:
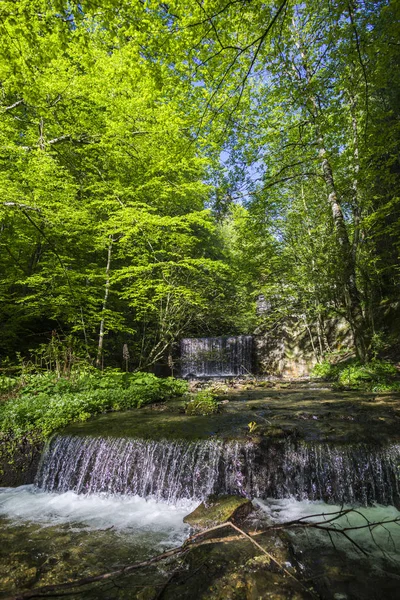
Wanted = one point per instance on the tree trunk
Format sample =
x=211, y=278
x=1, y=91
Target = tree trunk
x=106, y=292
x=354, y=312
x=352, y=299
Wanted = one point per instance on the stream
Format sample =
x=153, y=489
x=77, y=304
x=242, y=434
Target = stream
x=116, y=489
x=51, y=537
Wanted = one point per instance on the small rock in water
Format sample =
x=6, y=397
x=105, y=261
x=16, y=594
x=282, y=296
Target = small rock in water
x=216, y=510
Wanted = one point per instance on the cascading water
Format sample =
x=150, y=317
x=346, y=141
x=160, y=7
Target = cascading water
x=162, y=470
x=175, y=470
x=216, y=356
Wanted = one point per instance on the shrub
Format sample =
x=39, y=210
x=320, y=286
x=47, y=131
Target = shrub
x=46, y=403
x=377, y=375
x=375, y=372
x=203, y=403
x=7, y=384
x=325, y=370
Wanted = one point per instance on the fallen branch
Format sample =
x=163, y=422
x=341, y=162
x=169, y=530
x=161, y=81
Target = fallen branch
x=326, y=524
x=47, y=590
x=190, y=543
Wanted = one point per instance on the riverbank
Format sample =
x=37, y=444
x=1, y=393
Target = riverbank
x=302, y=410
x=33, y=407
x=116, y=487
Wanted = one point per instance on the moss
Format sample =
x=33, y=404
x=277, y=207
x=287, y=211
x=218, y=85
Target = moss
x=217, y=510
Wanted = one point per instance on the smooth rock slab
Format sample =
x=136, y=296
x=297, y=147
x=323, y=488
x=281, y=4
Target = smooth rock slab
x=216, y=510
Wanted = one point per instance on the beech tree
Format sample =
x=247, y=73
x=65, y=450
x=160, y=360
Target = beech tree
x=296, y=86
x=104, y=225
x=129, y=132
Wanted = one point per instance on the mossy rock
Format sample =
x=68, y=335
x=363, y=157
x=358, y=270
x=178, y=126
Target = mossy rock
x=147, y=593
x=235, y=570
x=275, y=432
x=216, y=510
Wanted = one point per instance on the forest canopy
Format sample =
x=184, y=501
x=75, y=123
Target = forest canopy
x=163, y=166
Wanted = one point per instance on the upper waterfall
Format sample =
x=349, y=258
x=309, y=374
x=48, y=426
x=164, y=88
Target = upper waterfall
x=216, y=356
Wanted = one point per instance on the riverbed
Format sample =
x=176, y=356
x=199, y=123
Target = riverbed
x=49, y=537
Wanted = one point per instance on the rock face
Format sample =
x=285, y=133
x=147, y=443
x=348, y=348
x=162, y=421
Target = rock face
x=288, y=351
x=219, y=509
x=19, y=467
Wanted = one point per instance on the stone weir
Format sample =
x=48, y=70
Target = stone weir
x=172, y=470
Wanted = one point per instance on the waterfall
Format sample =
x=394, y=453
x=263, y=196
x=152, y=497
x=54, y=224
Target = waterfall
x=163, y=470
x=174, y=470
x=216, y=356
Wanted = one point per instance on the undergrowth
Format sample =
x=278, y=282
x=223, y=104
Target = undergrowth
x=42, y=403
x=375, y=376
x=203, y=403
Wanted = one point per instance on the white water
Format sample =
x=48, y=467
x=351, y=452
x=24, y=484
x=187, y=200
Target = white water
x=129, y=514
x=168, y=471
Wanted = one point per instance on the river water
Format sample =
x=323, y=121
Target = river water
x=49, y=537
x=115, y=490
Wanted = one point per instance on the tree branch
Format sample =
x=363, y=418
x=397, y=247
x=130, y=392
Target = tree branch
x=21, y=206
x=326, y=524
x=18, y=103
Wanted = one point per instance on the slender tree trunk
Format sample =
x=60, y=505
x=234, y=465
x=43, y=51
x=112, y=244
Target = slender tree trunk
x=319, y=337
x=351, y=294
x=356, y=160
x=321, y=321
x=106, y=292
x=311, y=338
x=354, y=312
x=315, y=290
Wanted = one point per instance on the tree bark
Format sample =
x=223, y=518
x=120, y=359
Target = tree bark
x=351, y=295
x=352, y=300
x=106, y=292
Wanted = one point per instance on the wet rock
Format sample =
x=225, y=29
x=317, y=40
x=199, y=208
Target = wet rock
x=18, y=466
x=259, y=584
x=236, y=570
x=219, y=509
x=275, y=432
x=147, y=593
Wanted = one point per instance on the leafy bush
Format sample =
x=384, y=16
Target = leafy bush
x=325, y=370
x=376, y=375
x=46, y=403
x=7, y=384
x=203, y=403
x=375, y=372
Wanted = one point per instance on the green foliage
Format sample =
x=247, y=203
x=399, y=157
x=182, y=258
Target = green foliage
x=104, y=191
x=376, y=375
x=123, y=123
x=7, y=384
x=325, y=370
x=203, y=403
x=46, y=403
